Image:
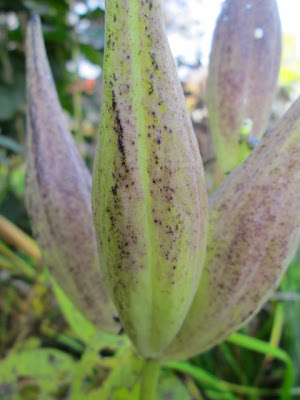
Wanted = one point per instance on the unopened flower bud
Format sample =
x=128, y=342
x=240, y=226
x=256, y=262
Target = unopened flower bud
x=149, y=195
x=254, y=233
x=243, y=72
x=58, y=192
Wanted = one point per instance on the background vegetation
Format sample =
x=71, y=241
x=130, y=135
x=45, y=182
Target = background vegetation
x=48, y=350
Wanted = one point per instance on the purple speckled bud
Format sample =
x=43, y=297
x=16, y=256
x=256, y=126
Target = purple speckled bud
x=253, y=236
x=58, y=192
x=243, y=72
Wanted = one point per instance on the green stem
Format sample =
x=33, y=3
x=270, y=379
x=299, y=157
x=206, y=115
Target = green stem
x=150, y=376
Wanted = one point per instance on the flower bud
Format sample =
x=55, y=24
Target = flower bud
x=58, y=192
x=254, y=233
x=149, y=196
x=243, y=72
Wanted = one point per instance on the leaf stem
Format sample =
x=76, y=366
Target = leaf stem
x=149, y=381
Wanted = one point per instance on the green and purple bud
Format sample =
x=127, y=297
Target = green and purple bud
x=254, y=233
x=149, y=196
x=243, y=73
x=58, y=193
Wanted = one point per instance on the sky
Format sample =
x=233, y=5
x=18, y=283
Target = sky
x=200, y=17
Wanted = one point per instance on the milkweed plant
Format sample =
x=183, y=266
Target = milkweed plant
x=139, y=246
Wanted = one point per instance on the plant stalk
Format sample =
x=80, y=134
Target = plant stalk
x=149, y=381
x=13, y=235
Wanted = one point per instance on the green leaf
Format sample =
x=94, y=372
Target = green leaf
x=94, y=56
x=17, y=181
x=94, y=36
x=46, y=369
x=97, y=364
x=260, y=346
x=12, y=96
x=83, y=328
x=291, y=285
x=3, y=161
x=95, y=14
x=10, y=144
x=58, y=6
x=56, y=34
x=123, y=383
x=171, y=388
x=40, y=8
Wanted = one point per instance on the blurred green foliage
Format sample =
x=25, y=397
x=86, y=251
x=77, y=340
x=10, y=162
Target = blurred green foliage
x=49, y=350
